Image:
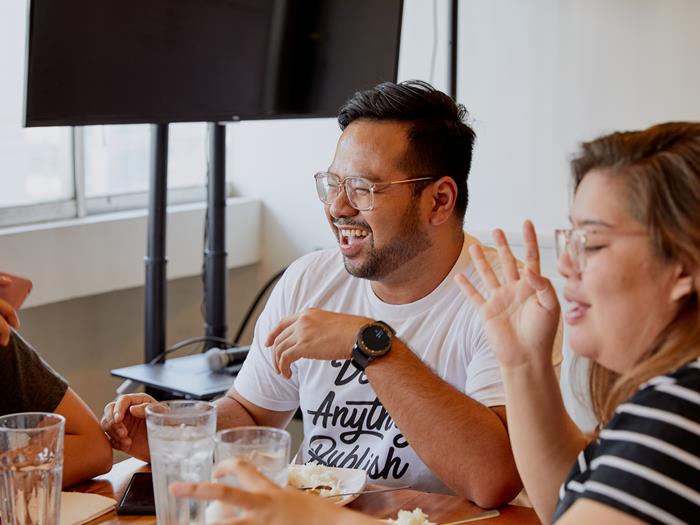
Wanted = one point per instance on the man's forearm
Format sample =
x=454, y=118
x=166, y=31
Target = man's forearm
x=464, y=443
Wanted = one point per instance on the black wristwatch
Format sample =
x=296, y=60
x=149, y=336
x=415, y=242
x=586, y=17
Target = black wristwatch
x=373, y=341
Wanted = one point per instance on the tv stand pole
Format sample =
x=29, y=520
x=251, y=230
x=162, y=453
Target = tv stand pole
x=215, y=252
x=154, y=321
x=453, y=16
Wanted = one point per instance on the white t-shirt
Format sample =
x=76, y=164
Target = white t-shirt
x=344, y=423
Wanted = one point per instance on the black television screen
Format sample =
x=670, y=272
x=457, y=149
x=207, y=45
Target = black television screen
x=137, y=61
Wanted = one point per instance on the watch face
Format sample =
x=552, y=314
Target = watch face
x=376, y=338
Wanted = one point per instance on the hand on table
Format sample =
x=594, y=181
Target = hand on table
x=8, y=316
x=124, y=421
x=313, y=334
x=521, y=314
x=261, y=501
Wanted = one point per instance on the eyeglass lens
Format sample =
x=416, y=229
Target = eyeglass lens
x=571, y=242
x=358, y=190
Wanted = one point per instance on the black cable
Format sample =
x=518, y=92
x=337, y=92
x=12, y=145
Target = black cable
x=190, y=341
x=251, y=310
x=241, y=329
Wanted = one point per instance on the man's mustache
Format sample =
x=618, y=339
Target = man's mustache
x=350, y=222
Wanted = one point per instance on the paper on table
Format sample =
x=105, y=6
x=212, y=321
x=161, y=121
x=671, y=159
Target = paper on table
x=79, y=507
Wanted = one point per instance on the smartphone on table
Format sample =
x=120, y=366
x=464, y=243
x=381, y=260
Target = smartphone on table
x=138, y=497
x=16, y=291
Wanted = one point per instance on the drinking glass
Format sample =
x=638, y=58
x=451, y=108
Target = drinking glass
x=31, y=468
x=265, y=447
x=180, y=440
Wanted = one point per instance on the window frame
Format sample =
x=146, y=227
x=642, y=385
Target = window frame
x=80, y=206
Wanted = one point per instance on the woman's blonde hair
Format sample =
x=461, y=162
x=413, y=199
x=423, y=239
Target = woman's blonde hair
x=660, y=170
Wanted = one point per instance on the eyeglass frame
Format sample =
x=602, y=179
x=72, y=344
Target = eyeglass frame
x=372, y=187
x=578, y=258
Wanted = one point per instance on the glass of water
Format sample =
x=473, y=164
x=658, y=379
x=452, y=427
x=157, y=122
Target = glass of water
x=265, y=447
x=31, y=468
x=180, y=440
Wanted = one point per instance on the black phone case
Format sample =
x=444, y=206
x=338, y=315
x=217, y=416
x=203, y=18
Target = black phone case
x=138, y=498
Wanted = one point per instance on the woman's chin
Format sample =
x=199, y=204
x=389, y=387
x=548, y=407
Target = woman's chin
x=583, y=346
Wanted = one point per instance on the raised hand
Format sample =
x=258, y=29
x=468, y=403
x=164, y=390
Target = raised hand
x=313, y=334
x=520, y=314
x=124, y=421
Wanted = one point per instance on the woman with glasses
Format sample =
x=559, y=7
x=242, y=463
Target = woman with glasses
x=632, y=269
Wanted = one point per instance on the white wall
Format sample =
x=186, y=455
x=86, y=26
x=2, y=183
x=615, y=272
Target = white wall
x=541, y=75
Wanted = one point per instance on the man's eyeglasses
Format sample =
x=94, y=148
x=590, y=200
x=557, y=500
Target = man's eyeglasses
x=574, y=242
x=359, y=191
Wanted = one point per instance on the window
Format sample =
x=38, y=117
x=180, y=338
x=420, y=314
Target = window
x=35, y=164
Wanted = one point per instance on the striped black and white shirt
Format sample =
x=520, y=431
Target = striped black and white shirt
x=646, y=462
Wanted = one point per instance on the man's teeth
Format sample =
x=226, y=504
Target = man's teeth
x=353, y=233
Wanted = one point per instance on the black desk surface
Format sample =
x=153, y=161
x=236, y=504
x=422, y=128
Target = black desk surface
x=187, y=376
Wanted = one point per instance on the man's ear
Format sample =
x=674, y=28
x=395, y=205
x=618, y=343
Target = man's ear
x=683, y=285
x=444, y=197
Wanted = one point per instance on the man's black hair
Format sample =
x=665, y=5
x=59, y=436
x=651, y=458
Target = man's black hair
x=439, y=140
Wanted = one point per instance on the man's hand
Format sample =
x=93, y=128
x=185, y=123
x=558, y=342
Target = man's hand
x=313, y=334
x=8, y=316
x=124, y=421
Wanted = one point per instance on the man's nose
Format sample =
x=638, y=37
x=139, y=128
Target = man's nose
x=341, y=206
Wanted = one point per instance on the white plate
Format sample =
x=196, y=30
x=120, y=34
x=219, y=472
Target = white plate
x=349, y=480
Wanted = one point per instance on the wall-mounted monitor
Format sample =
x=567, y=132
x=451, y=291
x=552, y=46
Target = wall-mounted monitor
x=138, y=61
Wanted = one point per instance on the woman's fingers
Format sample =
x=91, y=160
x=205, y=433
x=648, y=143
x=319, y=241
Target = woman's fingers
x=483, y=267
x=532, y=249
x=546, y=295
x=509, y=265
x=249, y=476
x=469, y=290
x=213, y=491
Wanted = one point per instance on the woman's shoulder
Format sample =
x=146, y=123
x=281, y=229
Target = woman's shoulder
x=646, y=461
x=678, y=390
x=663, y=416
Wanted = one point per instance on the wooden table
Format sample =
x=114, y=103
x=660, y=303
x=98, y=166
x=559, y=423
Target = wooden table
x=439, y=507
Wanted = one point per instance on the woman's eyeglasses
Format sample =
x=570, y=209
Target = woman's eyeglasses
x=574, y=242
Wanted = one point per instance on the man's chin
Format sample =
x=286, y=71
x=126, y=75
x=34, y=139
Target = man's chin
x=354, y=267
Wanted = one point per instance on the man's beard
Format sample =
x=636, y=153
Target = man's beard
x=405, y=246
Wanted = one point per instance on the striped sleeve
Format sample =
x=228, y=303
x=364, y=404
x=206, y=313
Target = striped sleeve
x=647, y=462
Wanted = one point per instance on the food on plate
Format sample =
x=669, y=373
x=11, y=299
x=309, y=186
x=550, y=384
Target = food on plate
x=316, y=479
x=411, y=517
